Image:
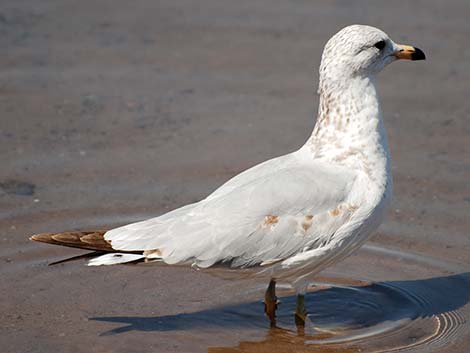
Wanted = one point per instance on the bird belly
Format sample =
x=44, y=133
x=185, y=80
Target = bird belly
x=352, y=242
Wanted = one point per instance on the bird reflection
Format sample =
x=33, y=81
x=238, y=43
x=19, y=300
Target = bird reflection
x=279, y=340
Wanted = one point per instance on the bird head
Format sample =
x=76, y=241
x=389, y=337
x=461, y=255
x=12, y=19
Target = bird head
x=360, y=50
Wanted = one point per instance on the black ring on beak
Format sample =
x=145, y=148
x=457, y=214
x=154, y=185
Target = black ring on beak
x=418, y=54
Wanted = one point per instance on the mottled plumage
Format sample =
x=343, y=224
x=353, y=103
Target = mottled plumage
x=290, y=217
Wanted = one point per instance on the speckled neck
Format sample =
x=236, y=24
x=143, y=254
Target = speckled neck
x=349, y=129
x=346, y=106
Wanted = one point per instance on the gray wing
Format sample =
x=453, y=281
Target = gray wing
x=272, y=211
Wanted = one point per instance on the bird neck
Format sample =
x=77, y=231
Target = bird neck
x=349, y=128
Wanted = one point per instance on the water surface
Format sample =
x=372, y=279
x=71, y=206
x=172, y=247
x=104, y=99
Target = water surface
x=116, y=111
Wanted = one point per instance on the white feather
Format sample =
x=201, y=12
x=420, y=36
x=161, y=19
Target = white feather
x=296, y=214
x=114, y=259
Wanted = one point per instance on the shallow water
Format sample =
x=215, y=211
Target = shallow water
x=345, y=314
x=351, y=307
x=115, y=112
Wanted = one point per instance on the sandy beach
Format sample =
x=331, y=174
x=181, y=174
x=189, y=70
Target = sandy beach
x=117, y=111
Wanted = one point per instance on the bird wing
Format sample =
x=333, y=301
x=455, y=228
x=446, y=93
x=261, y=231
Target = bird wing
x=268, y=213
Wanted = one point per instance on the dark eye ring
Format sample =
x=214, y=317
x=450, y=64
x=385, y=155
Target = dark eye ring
x=380, y=45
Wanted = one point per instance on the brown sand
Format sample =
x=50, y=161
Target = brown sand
x=115, y=111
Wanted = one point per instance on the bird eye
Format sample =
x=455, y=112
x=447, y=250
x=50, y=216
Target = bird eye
x=380, y=45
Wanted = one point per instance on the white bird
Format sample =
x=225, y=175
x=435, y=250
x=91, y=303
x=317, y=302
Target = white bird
x=292, y=216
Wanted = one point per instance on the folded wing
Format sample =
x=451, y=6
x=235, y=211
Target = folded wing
x=268, y=213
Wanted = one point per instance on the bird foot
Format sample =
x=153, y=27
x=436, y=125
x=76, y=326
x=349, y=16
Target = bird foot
x=300, y=311
x=270, y=310
x=271, y=303
x=300, y=318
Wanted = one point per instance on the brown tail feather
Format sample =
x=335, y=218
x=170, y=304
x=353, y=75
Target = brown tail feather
x=91, y=240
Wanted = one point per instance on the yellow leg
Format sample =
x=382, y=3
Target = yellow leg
x=270, y=302
x=300, y=311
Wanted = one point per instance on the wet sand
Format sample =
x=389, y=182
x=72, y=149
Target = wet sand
x=116, y=111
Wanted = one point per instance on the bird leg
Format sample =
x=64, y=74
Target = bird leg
x=300, y=311
x=270, y=302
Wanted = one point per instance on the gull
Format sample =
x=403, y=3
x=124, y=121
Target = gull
x=290, y=217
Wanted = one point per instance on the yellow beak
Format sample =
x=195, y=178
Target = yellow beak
x=409, y=53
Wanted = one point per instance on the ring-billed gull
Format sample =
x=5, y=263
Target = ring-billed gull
x=292, y=216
